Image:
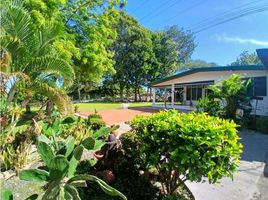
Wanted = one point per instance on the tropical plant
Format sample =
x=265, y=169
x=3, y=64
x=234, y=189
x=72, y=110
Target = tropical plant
x=31, y=56
x=16, y=146
x=233, y=95
x=6, y=194
x=187, y=147
x=61, y=159
x=262, y=124
x=95, y=121
x=212, y=106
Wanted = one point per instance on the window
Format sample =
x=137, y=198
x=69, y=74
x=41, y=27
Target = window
x=193, y=93
x=258, y=86
x=188, y=93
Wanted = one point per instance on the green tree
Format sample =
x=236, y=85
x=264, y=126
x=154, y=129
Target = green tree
x=187, y=147
x=32, y=56
x=184, y=41
x=166, y=54
x=246, y=58
x=133, y=51
x=88, y=28
x=233, y=95
x=197, y=63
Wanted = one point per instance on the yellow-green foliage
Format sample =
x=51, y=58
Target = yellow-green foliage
x=194, y=145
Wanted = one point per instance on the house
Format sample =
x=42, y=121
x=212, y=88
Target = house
x=186, y=88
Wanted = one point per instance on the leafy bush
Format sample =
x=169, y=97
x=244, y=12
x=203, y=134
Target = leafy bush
x=226, y=97
x=61, y=159
x=127, y=168
x=95, y=121
x=209, y=105
x=262, y=124
x=16, y=145
x=192, y=146
x=125, y=165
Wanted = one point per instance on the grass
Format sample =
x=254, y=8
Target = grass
x=91, y=107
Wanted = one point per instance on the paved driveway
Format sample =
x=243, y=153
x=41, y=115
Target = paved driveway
x=119, y=116
x=249, y=183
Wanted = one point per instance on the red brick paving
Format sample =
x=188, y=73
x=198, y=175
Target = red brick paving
x=121, y=115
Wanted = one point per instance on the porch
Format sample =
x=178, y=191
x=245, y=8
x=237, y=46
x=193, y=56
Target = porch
x=181, y=96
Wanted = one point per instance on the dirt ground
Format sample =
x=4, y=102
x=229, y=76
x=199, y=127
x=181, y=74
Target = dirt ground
x=118, y=116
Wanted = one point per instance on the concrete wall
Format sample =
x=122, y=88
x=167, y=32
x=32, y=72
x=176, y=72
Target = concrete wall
x=262, y=107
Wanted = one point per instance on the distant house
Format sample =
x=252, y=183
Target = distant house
x=186, y=88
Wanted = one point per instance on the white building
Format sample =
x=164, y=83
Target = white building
x=187, y=87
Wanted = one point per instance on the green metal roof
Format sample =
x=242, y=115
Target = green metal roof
x=210, y=69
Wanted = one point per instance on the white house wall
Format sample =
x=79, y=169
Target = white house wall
x=216, y=76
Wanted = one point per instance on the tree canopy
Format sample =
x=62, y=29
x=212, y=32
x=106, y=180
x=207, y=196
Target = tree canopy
x=246, y=58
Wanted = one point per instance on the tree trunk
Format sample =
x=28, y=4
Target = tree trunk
x=79, y=94
x=139, y=95
x=136, y=97
x=151, y=95
x=11, y=94
x=28, y=108
x=49, y=107
x=121, y=92
x=147, y=92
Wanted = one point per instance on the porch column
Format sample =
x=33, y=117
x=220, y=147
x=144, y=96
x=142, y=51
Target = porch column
x=184, y=95
x=153, y=91
x=172, y=95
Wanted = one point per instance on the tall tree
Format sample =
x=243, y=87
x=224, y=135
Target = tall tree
x=166, y=53
x=89, y=28
x=32, y=57
x=197, y=63
x=246, y=58
x=133, y=50
x=184, y=41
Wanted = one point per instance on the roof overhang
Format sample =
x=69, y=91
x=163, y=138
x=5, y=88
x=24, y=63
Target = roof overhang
x=263, y=55
x=208, y=69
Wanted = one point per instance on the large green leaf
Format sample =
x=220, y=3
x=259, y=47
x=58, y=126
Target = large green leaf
x=45, y=152
x=104, y=131
x=43, y=138
x=104, y=186
x=88, y=143
x=69, y=145
x=68, y=120
x=98, y=144
x=52, y=191
x=77, y=154
x=72, y=191
x=6, y=195
x=58, y=167
x=32, y=197
x=34, y=175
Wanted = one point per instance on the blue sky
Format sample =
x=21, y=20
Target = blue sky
x=220, y=44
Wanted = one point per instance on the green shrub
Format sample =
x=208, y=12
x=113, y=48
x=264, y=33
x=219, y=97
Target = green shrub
x=125, y=164
x=16, y=146
x=192, y=146
x=61, y=159
x=95, y=121
x=262, y=124
x=210, y=106
x=226, y=97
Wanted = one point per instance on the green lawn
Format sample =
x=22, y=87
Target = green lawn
x=90, y=107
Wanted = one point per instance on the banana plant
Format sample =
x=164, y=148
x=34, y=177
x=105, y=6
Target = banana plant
x=61, y=159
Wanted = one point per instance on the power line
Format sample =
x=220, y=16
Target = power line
x=250, y=12
x=140, y=5
x=223, y=15
x=160, y=8
x=185, y=10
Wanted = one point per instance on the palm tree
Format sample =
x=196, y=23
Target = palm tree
x=29, y=55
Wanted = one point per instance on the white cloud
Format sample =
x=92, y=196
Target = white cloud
x=239, y=40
